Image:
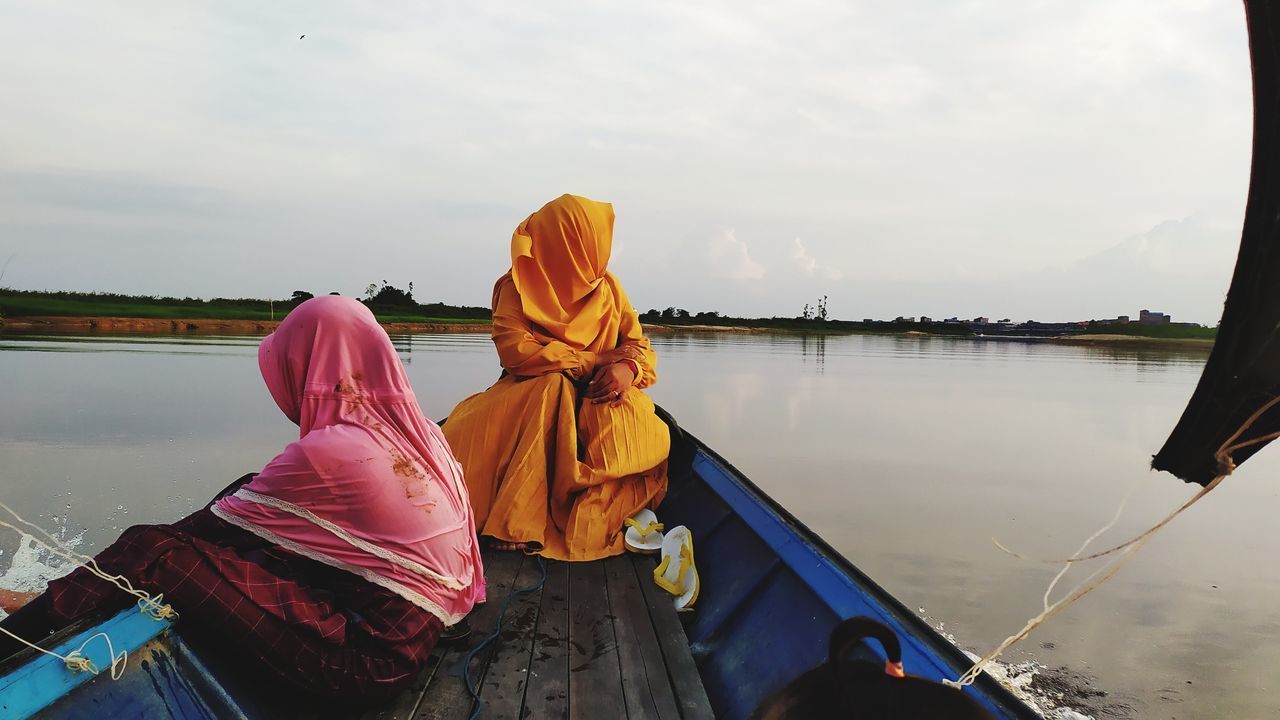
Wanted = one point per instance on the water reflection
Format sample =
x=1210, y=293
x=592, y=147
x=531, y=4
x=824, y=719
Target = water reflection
x=814, y=348
x=907, y=453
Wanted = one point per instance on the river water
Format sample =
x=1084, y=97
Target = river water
x=907, y=454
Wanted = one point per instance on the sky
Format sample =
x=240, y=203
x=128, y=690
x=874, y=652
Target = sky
x=1055, y=160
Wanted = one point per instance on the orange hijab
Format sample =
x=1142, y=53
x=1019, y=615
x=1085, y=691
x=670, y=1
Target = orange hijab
x=558, y=260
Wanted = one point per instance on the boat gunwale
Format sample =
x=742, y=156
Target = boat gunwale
x=948, y=652
x=126, y=630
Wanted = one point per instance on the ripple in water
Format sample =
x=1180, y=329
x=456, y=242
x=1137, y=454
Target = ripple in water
x=1056, y=694
x=32, y=566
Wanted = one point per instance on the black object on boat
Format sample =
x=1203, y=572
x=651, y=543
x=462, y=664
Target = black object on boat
x=1243, y=371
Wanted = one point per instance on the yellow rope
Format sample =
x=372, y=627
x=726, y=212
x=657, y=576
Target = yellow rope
x=1226, y=465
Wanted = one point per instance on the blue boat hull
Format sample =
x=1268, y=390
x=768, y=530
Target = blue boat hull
x=772, y=591
x=159, y=676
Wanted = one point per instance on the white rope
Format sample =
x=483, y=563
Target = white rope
x=1090, y=584
x=1089, y=541
x=1127, y=549
x=76, y=661
x=153, y=607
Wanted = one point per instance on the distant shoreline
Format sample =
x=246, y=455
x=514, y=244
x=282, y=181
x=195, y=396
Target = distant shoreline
x=88, y=325
x=112, y=325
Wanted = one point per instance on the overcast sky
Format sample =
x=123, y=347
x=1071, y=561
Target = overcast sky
x=1049, y=160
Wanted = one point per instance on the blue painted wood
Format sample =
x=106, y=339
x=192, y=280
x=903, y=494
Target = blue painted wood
x=38, y=683
x=159, y=683
x=772, y=591
x=161, y=678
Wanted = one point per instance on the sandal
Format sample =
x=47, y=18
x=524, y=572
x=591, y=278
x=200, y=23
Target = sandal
x=644, y=533
x=676, y=573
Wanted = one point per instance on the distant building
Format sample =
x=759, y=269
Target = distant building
x=904, y=319
x=981, y=321
x=1005, y=321
x=1150, y=317
x=1120, y=320
x=925, y=319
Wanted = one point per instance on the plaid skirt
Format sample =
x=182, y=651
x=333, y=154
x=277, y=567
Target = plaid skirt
x=323, y=630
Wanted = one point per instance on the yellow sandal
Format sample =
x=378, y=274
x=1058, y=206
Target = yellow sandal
x=644, y=533
x=677, y=573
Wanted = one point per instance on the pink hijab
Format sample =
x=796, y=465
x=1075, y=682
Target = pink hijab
x=371, y=485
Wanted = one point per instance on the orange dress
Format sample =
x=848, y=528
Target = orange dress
x=543, y=466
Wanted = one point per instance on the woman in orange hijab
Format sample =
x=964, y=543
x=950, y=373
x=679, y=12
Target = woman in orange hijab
x=564, y=447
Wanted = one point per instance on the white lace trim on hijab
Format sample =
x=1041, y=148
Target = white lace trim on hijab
x=366, y=574
x=391, y=557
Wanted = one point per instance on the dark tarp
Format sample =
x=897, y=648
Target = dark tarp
x=1243, y=372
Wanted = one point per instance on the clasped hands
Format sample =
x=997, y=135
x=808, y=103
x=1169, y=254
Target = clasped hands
x=612, y=376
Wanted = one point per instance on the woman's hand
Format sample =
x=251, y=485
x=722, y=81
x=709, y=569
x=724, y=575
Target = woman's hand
x=610, y=383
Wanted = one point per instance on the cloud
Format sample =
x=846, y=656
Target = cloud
x=1178, y=266
x=936, y=153
x=808, y=265
x=801, y=258
x=1193, y=246
x=730, y=258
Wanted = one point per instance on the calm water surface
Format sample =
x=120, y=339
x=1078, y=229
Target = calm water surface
x=907, y=454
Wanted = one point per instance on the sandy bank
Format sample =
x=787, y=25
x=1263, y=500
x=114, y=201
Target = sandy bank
x=671, y=329
x=1135, y=340
x=197, y=326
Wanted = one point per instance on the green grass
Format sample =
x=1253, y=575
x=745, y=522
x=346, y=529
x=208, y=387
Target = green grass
x=26, y=303
x=1164, y=332
x=19, y=306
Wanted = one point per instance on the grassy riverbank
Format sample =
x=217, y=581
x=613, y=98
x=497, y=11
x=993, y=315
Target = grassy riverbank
x=20, y=304
x=74, y=312
x=1180, y=331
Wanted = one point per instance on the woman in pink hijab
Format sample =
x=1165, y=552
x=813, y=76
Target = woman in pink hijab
x=338, y=565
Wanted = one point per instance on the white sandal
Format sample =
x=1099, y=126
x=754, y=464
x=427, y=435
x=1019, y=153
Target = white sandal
x=676, y=573
x=644, y=533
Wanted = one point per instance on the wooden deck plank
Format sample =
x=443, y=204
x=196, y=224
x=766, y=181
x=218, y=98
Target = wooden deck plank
x=599, y=641
x=547, y=695
x=644, y=679
x=595, y=691
x=405, y=706
x=681, y=669
x=446, y=698
x=505, y=681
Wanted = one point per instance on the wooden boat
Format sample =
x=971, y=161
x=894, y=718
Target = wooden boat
x=598, y=640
